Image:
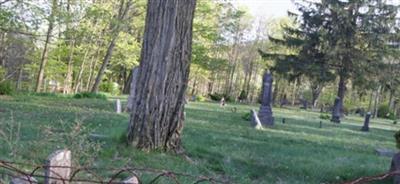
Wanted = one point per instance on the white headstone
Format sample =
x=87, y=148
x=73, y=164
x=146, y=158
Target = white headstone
x=58, y=167
x=118, y=106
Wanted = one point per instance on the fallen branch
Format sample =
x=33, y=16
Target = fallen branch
x=373, y=178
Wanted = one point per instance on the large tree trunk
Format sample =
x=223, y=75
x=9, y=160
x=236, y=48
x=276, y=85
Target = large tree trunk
x=43, y=60
x=157, y=115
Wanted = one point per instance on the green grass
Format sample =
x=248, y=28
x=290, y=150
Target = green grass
x=220, y=142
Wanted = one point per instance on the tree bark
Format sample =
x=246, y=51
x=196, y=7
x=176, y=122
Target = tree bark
x=44, y=58
x=157, y=116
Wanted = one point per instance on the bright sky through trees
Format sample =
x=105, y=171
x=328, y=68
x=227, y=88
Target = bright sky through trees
x=266, y=8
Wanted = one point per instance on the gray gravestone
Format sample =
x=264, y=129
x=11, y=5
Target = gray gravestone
x=365, y=128
x=58, y=167
x=265, y=113
x=336, y=111
x=255, y=121
x=23, y=180
x=395, y=166
x=131, y=180
x=384, y=152
x=135, y=74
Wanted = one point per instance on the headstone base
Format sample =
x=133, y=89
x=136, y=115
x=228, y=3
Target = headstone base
x=265, y=116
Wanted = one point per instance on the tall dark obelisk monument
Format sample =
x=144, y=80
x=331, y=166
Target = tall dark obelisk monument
x=265, y=113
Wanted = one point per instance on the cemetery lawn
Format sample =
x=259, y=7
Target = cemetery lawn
x=218, y=141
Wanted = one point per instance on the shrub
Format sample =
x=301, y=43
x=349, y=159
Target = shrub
x=385, y=112
x=200, y=98
x=215, y=96
x=243, y=95
x=109, y=87
x=6, y=88
x=247, y=116
x=90, y=95
x=218, y=97
x=324, y=116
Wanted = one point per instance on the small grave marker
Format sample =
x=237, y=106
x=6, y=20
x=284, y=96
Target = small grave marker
x=118, y=106
x=58, y=167
x=365, y=128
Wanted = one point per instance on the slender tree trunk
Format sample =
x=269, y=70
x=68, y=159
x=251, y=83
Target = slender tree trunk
x=20, y=75
x=249, y=79
x=69, y=75
x=43, y=61
x=78, y=81
x=194, y=86
x=124, y=8
x=92, y=68
x=391, y=99
x=316, y=91
x=276, y=90
x=2, y=48
x=103, y=66
x=370, y=101
x=337, y=112
x=157, y=115
x=294, y=92
x=70, y=65
x=127, y=85
x=376, y=102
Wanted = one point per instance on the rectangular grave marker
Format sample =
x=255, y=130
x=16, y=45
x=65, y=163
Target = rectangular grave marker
x=58, y=167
